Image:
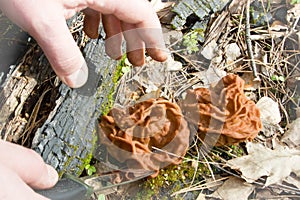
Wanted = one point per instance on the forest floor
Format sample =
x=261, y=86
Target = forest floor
x=259, y=42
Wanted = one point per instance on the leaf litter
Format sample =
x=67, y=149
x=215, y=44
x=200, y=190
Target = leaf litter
x=267, y=167
x=265, y=162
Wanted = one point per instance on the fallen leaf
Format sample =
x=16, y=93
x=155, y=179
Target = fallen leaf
x=292, y=180
x=278, y=26
x=265, y=194
x=209, y=51
x=269, y=110
x=293, y=12
x=292, y=137
x=172, y=37
x=233, y=188
x=269, y=115
x=261, y=161
x=210, y=76
x=298, y=111
x=201, y=197
x=172, y=65
x=232, y=52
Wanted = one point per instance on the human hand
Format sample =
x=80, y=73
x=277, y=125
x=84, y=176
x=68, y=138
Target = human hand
x=45, y=21
x=21, y=169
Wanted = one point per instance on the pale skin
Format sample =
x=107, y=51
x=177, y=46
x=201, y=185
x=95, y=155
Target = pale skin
x=22, y=169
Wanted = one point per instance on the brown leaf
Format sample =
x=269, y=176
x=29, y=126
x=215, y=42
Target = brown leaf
x=292, y=137
x=233, y=188
x=276, y=164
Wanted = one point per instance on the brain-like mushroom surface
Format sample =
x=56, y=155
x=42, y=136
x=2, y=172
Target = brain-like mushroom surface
x=222, y=113
x=149, y=135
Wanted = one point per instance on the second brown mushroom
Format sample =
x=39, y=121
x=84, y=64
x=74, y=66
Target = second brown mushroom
x=222, y=113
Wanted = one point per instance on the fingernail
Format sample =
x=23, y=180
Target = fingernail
x=52, y=176
x=77, y=78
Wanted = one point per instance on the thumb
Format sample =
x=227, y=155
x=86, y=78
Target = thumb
x=62, y=52
x=28, y=165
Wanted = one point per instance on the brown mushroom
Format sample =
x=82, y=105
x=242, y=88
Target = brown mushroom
x=222, y=113
x=149, y=135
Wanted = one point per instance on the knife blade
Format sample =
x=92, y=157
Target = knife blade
x=73, y=188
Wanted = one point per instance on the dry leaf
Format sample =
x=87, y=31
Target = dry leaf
x=233, y=188
x=292, y=180
x=266, y=194
x=209, y=76
x=209, y=51
x=292, y=137
x=269, y=110
x=201, y=197
x=172, y=65
x=276, y=164
x=250, y=83
x=232, y=52
x=269, y=115
x=293, y=12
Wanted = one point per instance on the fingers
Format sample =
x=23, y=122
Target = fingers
x=154, y=42
x=132, y=11
x=61, y=50
x=113, y=40
x=134, y=45
x=141, y=14
x=28, y=165
x=91, y=23
x=13, y=187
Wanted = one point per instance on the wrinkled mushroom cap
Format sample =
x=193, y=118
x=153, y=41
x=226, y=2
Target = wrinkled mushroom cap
x=222, y=113
x=133, y=134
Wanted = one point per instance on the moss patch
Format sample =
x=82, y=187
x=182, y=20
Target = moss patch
x=87, y=160
x=172, y=179
x=105, y=108
x=115, y=78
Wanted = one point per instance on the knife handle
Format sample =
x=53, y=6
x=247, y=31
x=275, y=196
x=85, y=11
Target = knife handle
x=68, y=188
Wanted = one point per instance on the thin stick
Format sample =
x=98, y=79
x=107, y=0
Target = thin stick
x=248, y=42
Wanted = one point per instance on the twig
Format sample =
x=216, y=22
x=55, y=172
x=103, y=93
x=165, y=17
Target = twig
x=248, y=42
x=32, y=119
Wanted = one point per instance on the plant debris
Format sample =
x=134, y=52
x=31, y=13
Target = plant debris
x=262, y=161
x=233, y=188
x=292, y=136
x=270, y=116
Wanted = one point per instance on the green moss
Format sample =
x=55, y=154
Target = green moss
x=88, y=158
x=237, y=150
x=115, y=78
x=105, y=108
x=69, y=160
x=190, y=41
x=172, y=179
x=295, y=2
x=85, y=161
x=148, y=194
